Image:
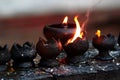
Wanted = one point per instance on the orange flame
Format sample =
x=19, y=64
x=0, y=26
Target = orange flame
x=65, y=20
x=98, y=33
x=78, y=32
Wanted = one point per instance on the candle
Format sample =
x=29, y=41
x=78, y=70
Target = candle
x=103, y=44
x=77, y=45
x=23, y=55
x=48, y=50
x=61, y=31
x=5, y=57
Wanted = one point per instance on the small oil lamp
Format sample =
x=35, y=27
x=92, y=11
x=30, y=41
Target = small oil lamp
x=62, y=31
x=77, y=45
x=104, y=44
x=23, y=55
x=48, y=50
x=5, y=57
x=119, y=39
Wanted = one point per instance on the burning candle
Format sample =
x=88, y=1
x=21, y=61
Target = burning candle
x=62, y=31
x=77, y=45
x=103, y=44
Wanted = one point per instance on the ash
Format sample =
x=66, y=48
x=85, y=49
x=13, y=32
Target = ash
x=33, y=74
x=66, y=70
x=85, y=64
x=26, y=74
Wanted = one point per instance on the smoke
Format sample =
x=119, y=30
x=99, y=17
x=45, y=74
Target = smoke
x=87, y=15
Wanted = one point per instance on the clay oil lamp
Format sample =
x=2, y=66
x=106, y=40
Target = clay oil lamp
x=4, y=57
x=48, y=50
x=23, y=55
x=61, y=31
x=77, y=45
x=104, y=44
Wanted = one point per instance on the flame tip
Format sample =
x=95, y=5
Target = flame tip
x=98, y=33
x=78, y=32
x=65, y=20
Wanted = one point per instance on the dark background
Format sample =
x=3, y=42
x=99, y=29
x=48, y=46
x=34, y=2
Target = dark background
x=19, y=29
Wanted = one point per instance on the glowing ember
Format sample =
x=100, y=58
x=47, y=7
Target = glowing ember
x=78, y=32
x=98, y=33
x=65, y=20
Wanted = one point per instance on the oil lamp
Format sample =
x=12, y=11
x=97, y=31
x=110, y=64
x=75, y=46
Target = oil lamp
x=5, y=57
x=104, y=44
x=77, y=45
x=62, y=31
x=48, y=50
x=23, y=55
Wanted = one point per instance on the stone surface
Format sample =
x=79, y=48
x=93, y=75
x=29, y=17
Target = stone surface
x=94, y=70
x=84, y=68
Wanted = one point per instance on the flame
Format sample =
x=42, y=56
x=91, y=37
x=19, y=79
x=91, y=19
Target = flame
x=59, y=44
x=98, y=33
x=65, y=20
x=78, y=32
